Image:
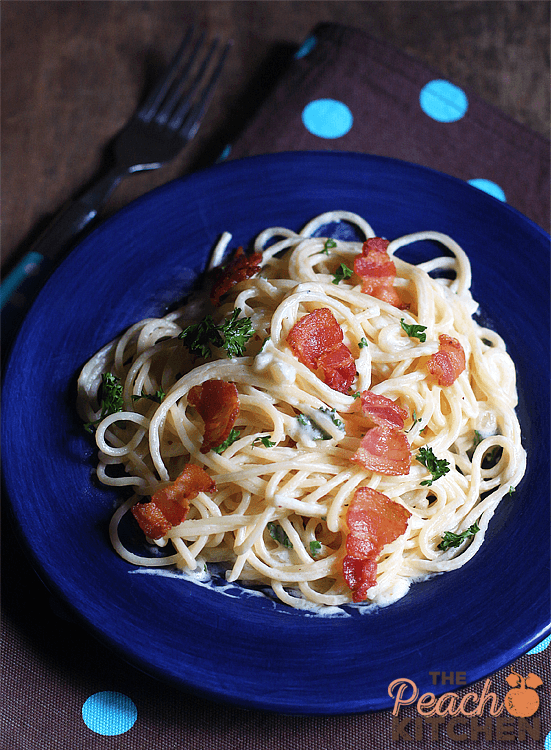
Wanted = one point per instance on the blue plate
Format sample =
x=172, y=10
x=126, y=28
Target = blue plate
x=232, y=645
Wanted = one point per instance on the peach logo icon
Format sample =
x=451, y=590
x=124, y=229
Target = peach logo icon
x=522, y=700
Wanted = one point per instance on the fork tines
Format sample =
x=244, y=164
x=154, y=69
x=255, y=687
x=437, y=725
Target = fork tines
x=180, y=99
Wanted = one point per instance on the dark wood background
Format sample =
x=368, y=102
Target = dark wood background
x=72, y=73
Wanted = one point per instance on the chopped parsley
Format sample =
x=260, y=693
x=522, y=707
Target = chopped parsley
x=355, y=395
x=416, y=420
x=317, y=432
x=477, y=438
x=315, y=548
x=363, y=342
x=342, y=273
x=264, y=344
x=232, y=335
x=265, y=441
x=110, y=398
x=449, y=539
x=328, y=244
x=332, y=414
x=437, y=466
x=158, y=396
x=232, y=437
x=278, y=534
x=414, y=330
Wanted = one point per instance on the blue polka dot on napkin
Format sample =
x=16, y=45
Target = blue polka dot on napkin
x=109, y=713
x=327, y=118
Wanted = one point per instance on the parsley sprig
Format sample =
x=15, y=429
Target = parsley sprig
x=315, y=547
x=232, y=437
x=110, y=398
x=279, y=535
x=342, y=273
x=328, y=244
x=316, y=430
x=437, y=466
x=414, y=331
x=262, y=440
x=157, y=397
x=449, y=539
x=232, y=335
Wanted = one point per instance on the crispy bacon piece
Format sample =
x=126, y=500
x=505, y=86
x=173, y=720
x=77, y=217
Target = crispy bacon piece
x=240, y=267
x=382, y=410
x=373, y=520
x=377, y=271
x=317, y=340
x=448, y=362
x=384, y=450
x=169, y=506
x=218, y=405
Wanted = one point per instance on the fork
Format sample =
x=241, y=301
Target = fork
x=161, y=126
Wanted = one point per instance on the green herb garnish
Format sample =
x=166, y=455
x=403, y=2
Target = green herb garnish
x=477, y=438
x=265, y=441
x=232, y=335
x=232, y=437
x=318, y=433
x=278, y=534
x=315, y=548
x=110, y=398
x=237, y=333
x=328, y=244
x=342, y=273
x=264, y=344
x=363, y=342
x=197, y=337
x=332, y=414
x=437, y=466
x=416, y=420
x=414, y=330
x=449, y=539
x=158, y=396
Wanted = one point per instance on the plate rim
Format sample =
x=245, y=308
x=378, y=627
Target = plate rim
x=116, y=217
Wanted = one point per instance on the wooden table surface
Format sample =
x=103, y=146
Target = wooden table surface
x=72, y=73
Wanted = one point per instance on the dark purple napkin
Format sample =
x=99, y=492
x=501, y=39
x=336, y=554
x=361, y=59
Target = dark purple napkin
x=343, y=91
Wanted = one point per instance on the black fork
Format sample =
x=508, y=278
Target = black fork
x=162, y=125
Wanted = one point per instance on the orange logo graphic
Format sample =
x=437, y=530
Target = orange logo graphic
x=522, y=699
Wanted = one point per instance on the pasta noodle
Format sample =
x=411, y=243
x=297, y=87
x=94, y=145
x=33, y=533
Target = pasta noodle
x=278, y=516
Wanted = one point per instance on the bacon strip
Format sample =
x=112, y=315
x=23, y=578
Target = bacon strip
x=377, y=271
x=373, y=520
x=382, y=410
x=384, y=450
x=240, y=267
x=218, y=405
x=449, y=361
x=169, y=506
x=317, y=340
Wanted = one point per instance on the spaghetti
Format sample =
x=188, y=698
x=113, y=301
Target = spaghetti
x=291, y=477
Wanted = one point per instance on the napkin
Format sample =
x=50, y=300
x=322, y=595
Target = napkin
x=348, y=91
x=343, y=90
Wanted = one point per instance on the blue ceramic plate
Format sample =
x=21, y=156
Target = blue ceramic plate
x=232, y=645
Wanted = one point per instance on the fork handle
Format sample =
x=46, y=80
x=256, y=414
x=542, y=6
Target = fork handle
x=58, y=238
